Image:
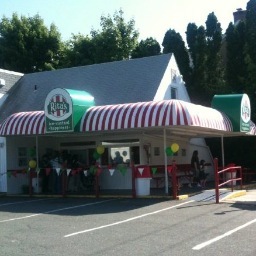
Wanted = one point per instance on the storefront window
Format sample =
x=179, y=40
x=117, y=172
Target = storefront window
x=120, y=155
x=22, y=157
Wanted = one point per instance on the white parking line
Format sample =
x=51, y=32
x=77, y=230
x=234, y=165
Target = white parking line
x=23, y=202
x=202, y=245
x=127, y=220
x=57, y=210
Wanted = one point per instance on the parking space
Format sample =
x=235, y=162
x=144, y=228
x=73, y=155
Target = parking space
x=118, y=226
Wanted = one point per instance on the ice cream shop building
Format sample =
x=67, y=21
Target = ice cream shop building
x=121, y=123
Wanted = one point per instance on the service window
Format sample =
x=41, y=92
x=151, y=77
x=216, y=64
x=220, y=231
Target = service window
x=22, y=157
x=120, y=155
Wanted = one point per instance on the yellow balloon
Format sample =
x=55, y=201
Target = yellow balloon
x=175, y=147
x=32, y=164
x=100, y=150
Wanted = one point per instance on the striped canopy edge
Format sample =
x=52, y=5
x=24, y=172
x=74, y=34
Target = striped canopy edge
x=24, y=123
x=153, y=114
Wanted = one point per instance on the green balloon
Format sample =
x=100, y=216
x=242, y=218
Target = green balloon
x=168, y=151
x=96, y=155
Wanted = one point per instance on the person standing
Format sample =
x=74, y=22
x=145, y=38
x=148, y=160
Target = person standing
x=195, y=167
x=202, y=174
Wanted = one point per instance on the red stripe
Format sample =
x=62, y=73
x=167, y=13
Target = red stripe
x=124, y=116
x=19, y=120
x=165, y=121
x=30, y=117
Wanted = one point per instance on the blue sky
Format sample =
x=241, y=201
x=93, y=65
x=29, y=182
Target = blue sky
x=152, y=17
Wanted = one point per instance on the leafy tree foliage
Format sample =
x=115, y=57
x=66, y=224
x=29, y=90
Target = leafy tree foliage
x=117, y=39
x=146, y=48
x=78, y=51
x=26, y=45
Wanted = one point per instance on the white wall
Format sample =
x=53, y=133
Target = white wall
x=3, y=174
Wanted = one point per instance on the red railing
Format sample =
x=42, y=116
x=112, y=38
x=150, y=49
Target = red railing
x=220, y=175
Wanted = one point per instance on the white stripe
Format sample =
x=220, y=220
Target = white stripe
x=94, y=121
x=121, y=116
x=148, y=114
x=115, y=116
x=126, y=121
x=89, y=119
x=202, y=245
x=16, y=124
x=109, y=111
x=101, y=120
x=141, y=110
x=57, y=210
x=136, y=109
x=24, y=202
x=161, y=113
x=127, y=220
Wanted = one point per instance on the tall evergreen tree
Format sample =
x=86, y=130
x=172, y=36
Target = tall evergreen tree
x=197, y=48
x=214, y=66
x=235, y=55
x=173, y=43
x=250, y=49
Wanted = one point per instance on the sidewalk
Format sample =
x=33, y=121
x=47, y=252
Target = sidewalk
x=249, y=197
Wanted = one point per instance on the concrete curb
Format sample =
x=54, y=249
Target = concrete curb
x=234, y=194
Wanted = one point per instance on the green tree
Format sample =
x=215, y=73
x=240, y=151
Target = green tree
x=196, y=40
x=26, y=45
x=235, y=57
x=214, y=64
x=146, y=48
x=250, y=52
x=173, y=43
x=117, y=39
x=78, y=51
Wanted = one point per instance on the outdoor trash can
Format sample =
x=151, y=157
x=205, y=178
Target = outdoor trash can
x=37, y=187
x=142, y=180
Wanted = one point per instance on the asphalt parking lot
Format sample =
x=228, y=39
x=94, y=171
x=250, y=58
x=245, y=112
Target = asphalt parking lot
x=117, y=226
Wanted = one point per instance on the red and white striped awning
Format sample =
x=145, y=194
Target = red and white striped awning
x=24, y=123
x=153, y=114
x=166, y=113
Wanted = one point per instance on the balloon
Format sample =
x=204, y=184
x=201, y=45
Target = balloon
x=32, y=164
x=168, y=151
x=32, y=152
x=96, y=155
x=175, y=147
x=100, y=150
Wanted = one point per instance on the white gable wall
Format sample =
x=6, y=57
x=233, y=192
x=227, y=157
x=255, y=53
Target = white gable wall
x=3, y=174
x=173, y=79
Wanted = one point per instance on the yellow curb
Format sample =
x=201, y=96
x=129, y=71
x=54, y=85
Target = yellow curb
x=235, y=194
x=182, y=197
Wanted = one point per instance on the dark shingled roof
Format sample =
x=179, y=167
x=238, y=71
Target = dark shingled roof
x=110, y=83
x=10, y=79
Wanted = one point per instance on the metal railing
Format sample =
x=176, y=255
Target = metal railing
x=220, y=175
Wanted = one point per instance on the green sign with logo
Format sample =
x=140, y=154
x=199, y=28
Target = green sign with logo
x=64, y=109
x=238, y=109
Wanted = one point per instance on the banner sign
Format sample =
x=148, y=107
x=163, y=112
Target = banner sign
x=58, y=111
x=238, y=109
